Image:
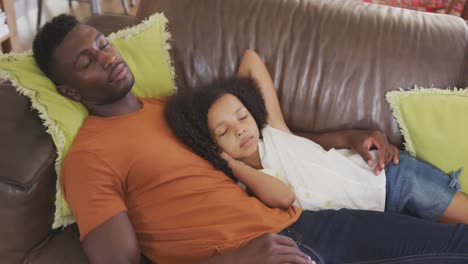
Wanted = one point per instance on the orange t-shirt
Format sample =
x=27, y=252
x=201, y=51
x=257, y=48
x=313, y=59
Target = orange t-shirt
x=182, y=209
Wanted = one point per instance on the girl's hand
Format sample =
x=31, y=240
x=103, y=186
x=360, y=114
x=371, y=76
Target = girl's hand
x=228, y=158
x=232, y=162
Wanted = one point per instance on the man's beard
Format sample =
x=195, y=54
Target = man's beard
x=119, y=95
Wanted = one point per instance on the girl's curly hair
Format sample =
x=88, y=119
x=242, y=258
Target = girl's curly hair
x=187, y=111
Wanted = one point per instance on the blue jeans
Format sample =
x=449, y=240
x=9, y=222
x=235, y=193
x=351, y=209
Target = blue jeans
x=418, y=188
x=358, y=236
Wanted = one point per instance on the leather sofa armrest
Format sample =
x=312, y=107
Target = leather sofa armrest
x=27, y=176
x=62, y=246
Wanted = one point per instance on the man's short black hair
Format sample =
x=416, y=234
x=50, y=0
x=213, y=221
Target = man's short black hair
x=47, y=40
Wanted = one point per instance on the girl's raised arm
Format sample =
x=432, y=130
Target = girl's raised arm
x=252, y=66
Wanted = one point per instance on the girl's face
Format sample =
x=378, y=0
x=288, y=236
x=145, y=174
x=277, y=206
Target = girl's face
x=233, y=128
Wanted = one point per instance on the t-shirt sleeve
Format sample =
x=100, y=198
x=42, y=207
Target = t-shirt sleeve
x=94, y=192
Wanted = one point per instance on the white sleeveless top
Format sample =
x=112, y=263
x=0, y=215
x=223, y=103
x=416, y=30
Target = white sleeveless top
x=321, y=179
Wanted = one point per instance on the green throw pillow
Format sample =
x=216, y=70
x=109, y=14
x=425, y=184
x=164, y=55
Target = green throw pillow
x=145, y=49
x=434, y=123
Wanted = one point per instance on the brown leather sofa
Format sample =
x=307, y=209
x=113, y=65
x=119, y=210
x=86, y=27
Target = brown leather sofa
x=332, y=61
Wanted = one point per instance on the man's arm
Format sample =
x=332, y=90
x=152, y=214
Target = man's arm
x=114, y=241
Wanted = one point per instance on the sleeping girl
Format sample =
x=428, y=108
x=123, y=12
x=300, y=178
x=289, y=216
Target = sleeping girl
x=238, y=126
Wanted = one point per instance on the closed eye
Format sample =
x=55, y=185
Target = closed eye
x=224, y=133
x=243, y=117
x=105, y=45
x=92, y=60
x=87, y=64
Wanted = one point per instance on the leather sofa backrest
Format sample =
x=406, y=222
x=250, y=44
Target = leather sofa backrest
x=331, y=60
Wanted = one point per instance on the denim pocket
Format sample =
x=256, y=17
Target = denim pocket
x=307, y=249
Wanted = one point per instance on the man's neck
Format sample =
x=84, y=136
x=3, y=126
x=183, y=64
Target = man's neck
x=126, y=105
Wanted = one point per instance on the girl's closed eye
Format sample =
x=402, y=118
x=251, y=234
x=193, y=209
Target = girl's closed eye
x=243, y=114
x=223, y=133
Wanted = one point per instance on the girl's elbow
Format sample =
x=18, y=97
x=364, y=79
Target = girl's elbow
x=287, y=201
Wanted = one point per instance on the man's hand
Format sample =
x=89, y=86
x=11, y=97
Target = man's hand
x=265, y=249
x=361, y=141
x=273, y=248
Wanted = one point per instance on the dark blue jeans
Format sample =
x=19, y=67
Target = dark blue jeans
x=358, y=236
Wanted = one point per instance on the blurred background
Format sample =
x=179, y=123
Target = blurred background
x=26, y=13
x=23, y=14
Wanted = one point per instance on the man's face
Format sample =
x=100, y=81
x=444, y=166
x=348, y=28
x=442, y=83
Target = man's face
x=90, y=69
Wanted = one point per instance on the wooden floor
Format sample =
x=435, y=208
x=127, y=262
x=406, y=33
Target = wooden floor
x=26, y=16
